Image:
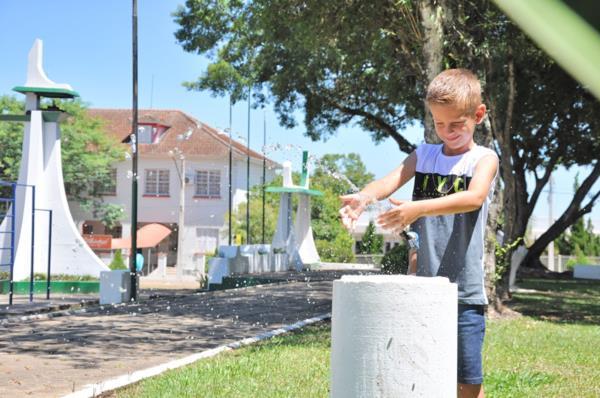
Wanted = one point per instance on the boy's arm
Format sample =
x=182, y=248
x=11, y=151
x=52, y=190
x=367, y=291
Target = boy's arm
x=354, y=204
x=384, y=187
x=412, y=262
x=461, y=202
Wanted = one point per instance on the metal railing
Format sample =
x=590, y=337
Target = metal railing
x=9, y=212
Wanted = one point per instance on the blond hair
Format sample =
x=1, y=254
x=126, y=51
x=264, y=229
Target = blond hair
x=455, y=87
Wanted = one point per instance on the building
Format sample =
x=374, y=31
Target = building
x=166, y=137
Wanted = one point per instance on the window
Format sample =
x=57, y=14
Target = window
x=208, y=239
x=110, y=186
x=157, y=182
x=145, y=134
x=88, y=229
x=208, y=183
x=115, y=232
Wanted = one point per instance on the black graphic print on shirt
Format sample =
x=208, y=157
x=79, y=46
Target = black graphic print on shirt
x=433, y=185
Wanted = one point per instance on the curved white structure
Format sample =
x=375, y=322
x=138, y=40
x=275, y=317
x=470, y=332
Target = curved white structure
x=41, y=166
x=295, y=239
x=36, y=77
x=393, y=336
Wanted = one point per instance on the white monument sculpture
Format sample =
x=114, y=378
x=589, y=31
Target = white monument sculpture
x=295, y=239
x=393, y=336
x=293, y=245
x=41, y=167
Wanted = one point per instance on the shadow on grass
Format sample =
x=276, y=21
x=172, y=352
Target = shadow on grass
x=561, y=301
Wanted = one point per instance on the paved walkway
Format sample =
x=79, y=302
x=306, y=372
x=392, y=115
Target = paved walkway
x=52, y=357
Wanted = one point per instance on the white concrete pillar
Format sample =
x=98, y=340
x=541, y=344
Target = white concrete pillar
x=393, y=336
x=304, y=234
x=162, y=265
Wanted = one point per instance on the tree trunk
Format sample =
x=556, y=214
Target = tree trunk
x=489, y=255
x=569, y=216
x=432, y=22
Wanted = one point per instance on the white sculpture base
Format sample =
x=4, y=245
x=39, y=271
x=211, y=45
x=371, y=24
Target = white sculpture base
x=41, y=167
x=393, y=336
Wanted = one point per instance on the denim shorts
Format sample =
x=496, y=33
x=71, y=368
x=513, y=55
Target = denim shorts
x=471, y=329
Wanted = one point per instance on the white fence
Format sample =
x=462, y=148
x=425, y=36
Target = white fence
x=560, y=262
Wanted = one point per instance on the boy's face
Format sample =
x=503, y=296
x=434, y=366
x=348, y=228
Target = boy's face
x=455, y=128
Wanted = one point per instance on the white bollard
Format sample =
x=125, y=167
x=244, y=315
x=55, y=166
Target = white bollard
x=115, y=286
x=393, y=336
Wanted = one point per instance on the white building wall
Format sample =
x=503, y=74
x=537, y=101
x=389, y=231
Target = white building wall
x=204, y=218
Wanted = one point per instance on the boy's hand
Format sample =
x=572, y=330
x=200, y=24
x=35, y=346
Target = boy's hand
x=352, y=207
x=399, y=217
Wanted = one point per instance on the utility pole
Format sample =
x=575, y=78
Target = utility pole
x=248, y=174
x=134, y=149
x=264, y=176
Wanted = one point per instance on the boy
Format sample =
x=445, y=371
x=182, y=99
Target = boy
x=453, y=188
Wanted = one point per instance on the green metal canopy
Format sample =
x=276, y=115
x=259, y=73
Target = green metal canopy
x=47, y=92
x=312, y=192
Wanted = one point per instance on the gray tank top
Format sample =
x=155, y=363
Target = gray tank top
x=451, y=245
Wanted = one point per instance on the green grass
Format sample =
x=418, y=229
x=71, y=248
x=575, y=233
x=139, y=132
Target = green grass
x=550, y=352
x=38, y=276
x=295, y=365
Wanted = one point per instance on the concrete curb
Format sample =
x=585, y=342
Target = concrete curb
x=88, y=305
x=93, y=390
x=50, y=313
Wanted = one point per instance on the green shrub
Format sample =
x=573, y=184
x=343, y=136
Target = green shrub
x=4, y=275
x=395, y=261
x=117, y=262
x=580, y=259
x=338, y=251
x=371, y=243
x=38, y=276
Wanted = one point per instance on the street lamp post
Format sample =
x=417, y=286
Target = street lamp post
x=177, y=154
x=230, y=171
x=248, y=241
x=181, y=222
x=264, y=176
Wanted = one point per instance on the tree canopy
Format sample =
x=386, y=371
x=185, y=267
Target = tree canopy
x=334, y=243
x=87, y=154
x=369, y=63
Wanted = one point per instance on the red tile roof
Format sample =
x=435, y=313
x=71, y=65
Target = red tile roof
x=204, y=140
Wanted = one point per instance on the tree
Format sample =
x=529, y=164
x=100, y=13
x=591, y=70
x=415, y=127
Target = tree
x=369, y=63
x=311, y=56
x=271, y=213
x=348, y=172
x=580, y=237
x=333, y=241
x=371, y=243
x=539, y=118
x=87, y=154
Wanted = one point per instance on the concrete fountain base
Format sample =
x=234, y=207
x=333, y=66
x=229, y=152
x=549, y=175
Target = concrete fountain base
x=393, y=336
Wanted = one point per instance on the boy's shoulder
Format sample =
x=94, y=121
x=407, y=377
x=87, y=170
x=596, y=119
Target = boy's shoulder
x=482, y=151
x=424, y=149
